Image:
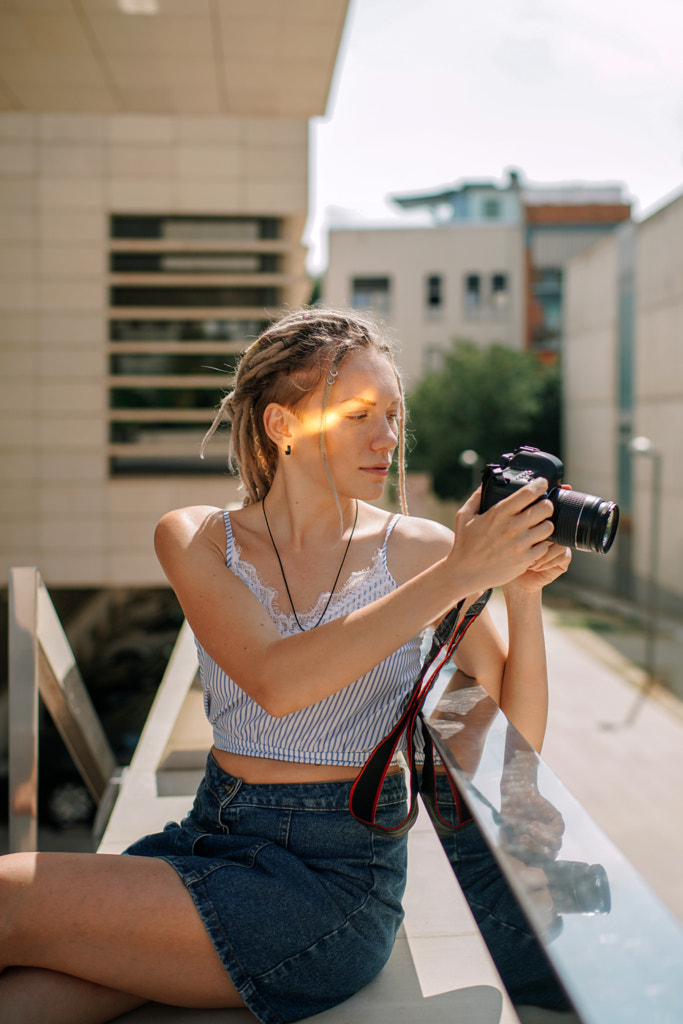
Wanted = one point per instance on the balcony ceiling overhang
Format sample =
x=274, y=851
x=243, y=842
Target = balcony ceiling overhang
x=247, y=58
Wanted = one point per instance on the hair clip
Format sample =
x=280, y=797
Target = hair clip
x=331, y=377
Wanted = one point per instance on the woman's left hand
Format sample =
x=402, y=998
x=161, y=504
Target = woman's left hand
x=549, y=566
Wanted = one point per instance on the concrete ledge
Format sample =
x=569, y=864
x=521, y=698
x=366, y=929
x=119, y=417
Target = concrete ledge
x=440, y=969
x=393, y=997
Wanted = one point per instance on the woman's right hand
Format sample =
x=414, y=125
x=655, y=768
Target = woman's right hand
x=497, y=546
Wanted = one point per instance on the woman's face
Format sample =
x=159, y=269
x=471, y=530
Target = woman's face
x=361, y=424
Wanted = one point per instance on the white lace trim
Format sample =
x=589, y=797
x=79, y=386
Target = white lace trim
x=286, y=622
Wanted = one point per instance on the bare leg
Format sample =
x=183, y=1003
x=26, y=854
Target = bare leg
x=32, y=995
x=124, y=924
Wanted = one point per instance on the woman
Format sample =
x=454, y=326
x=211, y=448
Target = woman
x=308, y=605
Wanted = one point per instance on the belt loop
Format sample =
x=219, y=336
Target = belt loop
x=230, y=790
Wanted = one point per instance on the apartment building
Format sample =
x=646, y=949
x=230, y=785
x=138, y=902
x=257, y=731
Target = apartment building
x=489, y=268
x=432, y=285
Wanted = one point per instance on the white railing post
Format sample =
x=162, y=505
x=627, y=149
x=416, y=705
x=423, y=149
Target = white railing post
x=23, y=709
x=41, y=664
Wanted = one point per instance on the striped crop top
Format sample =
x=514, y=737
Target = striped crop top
x=342, y=729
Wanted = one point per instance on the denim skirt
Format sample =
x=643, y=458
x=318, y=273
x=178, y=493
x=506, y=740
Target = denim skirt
x=301, y=901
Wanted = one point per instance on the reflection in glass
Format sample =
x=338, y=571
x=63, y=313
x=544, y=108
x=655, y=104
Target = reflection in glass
x=529, y=829
x=615, y=948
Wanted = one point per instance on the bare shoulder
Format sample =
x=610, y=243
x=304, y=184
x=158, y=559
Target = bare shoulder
x=416, y=544
x=183, y=528
x=425, y=530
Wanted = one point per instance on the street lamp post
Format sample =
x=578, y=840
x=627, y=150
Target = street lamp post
x=470, y=458
x=644, y=446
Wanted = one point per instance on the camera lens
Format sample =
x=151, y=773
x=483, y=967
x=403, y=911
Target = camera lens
x=578, y=888
x=584, y=522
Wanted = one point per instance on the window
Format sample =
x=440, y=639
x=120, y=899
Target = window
x=193, y=263
x=546, y=290
x=472, y=292
x=372, y=293
x=186, y=294
x=434, y=295
x=491, y=209
x=433, y=358
x=500, y=292
x=217, y=229
x=171, y=295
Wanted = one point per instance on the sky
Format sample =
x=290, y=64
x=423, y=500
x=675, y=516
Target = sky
x=428, y=93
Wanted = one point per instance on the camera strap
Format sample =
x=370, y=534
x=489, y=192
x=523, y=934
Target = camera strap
x=367, y=787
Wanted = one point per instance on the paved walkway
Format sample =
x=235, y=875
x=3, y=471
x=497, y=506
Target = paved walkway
x=621, y=756
x=624, y=626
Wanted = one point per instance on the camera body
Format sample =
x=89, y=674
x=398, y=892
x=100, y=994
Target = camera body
x=581, y=521
x=516, y=470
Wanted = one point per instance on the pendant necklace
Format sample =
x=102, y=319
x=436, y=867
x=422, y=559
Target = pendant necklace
x=284, y=578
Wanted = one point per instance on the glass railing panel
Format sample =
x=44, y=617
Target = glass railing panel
x=615, y=948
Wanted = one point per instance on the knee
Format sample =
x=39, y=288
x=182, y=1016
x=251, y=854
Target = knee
x=17, y=871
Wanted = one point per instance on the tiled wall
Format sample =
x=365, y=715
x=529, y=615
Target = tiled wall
x=60, y=178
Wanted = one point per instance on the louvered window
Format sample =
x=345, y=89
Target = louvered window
x=186, y=295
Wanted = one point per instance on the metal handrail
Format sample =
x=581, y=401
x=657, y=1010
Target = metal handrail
x=42, y=664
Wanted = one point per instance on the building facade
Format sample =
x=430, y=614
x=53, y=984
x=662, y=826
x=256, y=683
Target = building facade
x=558, y=224
x=488, y=269
x=153, y=194
x=432, y=285
x=624, y=380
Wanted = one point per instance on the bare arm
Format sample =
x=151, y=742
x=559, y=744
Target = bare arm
x=525, y=681
x=284, y=674
x=524, y=691
x=516, y=677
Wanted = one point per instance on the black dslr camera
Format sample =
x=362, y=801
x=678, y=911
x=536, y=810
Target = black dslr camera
x=578, y=888
x=581, y=521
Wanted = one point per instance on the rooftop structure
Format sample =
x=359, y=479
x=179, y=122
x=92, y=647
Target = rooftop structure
x=472, y=202
x=489, y=201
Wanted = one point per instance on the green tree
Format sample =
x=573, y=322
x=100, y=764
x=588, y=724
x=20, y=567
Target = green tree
x=316, y=290
x=490, y=399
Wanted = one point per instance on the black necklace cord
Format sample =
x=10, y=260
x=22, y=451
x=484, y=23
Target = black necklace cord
x=367, y=787
x=284, y=578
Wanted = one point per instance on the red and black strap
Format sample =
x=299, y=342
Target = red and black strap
x=366, y=789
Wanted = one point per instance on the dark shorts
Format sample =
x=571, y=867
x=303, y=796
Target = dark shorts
x=301, y=902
